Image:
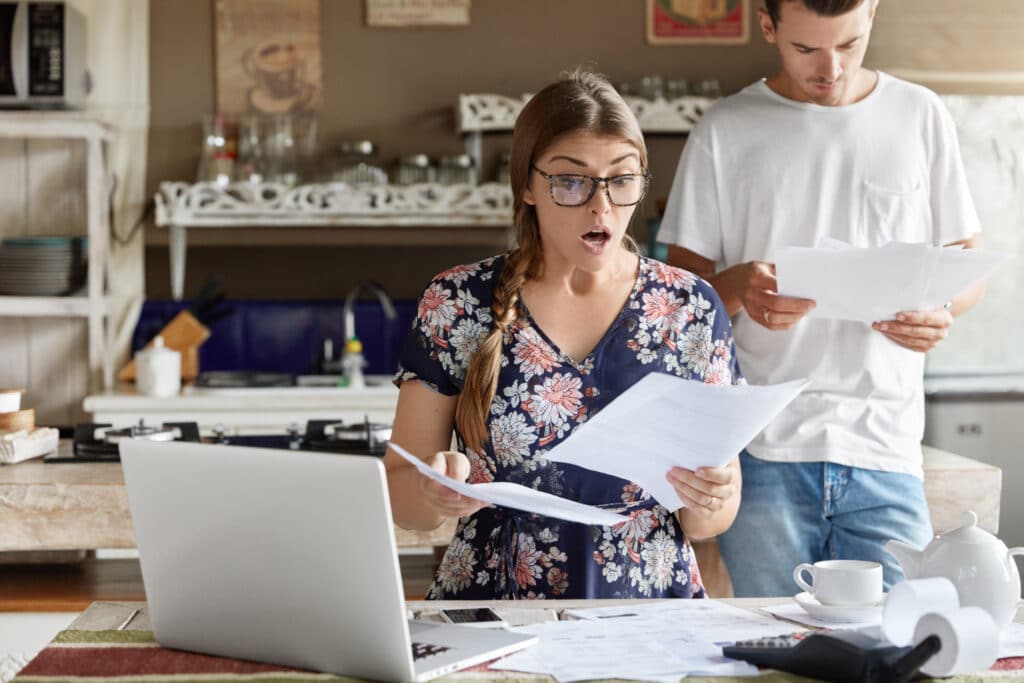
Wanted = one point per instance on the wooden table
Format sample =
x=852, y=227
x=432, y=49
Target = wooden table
x=108, y=616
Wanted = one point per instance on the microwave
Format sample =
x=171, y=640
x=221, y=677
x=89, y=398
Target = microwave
x=42, y=56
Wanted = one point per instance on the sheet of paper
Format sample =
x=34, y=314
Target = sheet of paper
x=1011, y=641
x=585, y=650
x=664, y=421
x=650, y=641
x=518, y=497
x=874, y=283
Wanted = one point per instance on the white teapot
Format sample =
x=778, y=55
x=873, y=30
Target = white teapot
x=979, y=565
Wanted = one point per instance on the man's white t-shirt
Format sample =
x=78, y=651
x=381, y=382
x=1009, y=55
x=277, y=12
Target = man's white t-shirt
x=760, y=172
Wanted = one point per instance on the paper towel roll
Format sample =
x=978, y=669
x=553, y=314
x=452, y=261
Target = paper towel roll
x=908, y=600
x=970, y=640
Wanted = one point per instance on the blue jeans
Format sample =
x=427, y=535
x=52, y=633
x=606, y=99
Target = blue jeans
x=793, y=512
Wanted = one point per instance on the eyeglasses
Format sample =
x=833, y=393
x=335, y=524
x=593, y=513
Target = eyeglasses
x=574, y=189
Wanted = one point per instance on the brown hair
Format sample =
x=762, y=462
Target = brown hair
x=826, y=8
x=580, y=102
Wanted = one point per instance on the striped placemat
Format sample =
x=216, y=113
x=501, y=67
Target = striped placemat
x=135, y=656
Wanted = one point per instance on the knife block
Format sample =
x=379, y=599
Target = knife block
x=184, y=334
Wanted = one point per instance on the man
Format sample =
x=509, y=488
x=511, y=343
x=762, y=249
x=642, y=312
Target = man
x=822, y=149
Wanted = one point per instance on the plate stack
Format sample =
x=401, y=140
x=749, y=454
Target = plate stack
x=42, y=266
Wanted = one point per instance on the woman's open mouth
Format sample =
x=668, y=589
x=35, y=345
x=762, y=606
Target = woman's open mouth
x=596, y=238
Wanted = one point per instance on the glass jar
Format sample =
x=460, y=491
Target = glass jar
x=217, y=157
x=414, y=169
x=249, y=167
x=456, y=170
x=282, y=160
x=355, y=165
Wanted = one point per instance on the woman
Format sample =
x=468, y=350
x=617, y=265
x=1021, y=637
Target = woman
x=516, y=351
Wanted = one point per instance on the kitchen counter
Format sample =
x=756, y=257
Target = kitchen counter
x=85, y=506
x=247, y=410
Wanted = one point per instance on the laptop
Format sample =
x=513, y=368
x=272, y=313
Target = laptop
x=284, y=557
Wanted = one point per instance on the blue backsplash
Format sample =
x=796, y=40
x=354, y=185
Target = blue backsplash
x=286, y=336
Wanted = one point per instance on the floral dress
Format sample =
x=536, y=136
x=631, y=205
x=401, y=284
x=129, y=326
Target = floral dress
x=673, y=322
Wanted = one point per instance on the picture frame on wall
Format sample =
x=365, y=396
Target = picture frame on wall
x=698, y=22
x=268, y=56
x=400, y=13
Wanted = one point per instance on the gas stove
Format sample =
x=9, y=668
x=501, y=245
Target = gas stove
x=99, y=442
x=333, y=436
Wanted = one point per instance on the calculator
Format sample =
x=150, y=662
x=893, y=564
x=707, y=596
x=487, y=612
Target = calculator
x=840, y=656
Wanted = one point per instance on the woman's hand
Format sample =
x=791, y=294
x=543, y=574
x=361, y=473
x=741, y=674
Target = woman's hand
x=447, y=502
x=710, y=497
x=706, y=490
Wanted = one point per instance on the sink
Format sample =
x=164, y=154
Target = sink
x=335, y=380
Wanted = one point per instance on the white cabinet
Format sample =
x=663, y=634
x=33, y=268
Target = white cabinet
x=68, y=138
x=980, y=417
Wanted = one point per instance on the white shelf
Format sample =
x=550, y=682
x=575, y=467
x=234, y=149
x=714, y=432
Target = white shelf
x=244, y=205
x=53, y=124
x=479, y=113
x=49, y=306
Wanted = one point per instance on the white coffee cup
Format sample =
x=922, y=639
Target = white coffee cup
x=845, y=583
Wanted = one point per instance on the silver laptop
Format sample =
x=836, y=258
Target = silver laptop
x=284, y=557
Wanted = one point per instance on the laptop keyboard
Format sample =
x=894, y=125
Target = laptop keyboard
x=424, y=650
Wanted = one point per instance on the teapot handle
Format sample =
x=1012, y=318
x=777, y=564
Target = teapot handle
x=1011, y=553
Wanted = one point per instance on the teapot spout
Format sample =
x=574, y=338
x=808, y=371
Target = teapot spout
x=908, y=556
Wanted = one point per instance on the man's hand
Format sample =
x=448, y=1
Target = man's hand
x=448, y=502
x=760, y=296
x=706, y=490
x=917, y=330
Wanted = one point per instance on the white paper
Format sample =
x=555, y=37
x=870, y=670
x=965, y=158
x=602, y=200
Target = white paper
x=649, y=641
x=518, y=497
x=869, y=284
x=664, y=421
x=1011, y=641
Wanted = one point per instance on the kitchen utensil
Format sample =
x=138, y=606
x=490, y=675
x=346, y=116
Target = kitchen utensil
x=185, y=334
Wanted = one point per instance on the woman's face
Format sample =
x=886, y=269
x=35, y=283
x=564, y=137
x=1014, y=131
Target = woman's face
x=588, y=236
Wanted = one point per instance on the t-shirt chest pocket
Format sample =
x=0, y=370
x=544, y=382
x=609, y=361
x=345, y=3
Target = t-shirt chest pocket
x=893, y=213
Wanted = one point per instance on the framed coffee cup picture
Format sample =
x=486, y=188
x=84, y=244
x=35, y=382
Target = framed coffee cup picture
x=698, y=22
x=268, y=56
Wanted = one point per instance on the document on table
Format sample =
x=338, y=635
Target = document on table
x=664, y=421
x=518, y=497
x=869, y=284
x=654, y=641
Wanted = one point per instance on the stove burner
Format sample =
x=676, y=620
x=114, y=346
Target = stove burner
x=365, y=438
x=98, y=442
x=140, y=431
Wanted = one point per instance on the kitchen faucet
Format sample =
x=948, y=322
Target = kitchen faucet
x=350, y=318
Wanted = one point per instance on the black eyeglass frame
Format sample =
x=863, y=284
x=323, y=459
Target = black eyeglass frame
x=594, y=181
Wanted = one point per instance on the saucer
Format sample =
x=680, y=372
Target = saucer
x=840, y=614
x=262, y=101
